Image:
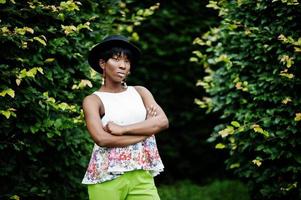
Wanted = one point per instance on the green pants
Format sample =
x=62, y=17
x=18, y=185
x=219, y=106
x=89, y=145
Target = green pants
x=133, y=185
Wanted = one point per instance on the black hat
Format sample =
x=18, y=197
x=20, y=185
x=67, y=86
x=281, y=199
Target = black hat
x=108, y=42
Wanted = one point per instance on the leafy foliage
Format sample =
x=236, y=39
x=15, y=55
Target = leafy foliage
x=252, y=60
x=44, y=76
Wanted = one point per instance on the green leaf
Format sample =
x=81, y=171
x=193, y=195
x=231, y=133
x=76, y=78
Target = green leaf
x=49, y=60
x=297, y=117
x=9, y=92
x=15, y=197
x=40, y=40
x=220, y=146
x=235, y=124
x=234, y=165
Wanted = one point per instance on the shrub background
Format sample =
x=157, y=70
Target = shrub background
x=44, y=76
x=253, y=64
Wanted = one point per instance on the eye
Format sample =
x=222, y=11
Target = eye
x=115, y=58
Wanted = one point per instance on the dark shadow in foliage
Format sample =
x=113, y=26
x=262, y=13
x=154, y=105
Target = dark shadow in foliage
x=166, y=40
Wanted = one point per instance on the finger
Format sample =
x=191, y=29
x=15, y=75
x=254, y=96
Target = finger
x=154, y=111
x=108, y=128
x=149, y=111
x=153, y=107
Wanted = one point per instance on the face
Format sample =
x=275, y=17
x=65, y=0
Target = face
x=116, y=68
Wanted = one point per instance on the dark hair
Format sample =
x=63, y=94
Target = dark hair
x=117, y=51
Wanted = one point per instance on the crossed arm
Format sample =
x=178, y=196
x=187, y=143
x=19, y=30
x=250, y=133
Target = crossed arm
x=113, y=135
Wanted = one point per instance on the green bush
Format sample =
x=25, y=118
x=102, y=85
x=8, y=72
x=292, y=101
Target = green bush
x=185, y=190
x=253, y=65
x=44, y=146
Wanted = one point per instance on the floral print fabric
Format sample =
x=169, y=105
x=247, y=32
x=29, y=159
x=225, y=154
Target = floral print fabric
x=109, y=163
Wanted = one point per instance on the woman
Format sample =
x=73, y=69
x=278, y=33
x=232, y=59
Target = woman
x=122, y=121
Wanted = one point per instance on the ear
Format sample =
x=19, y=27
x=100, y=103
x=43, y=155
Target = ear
x=102, y=63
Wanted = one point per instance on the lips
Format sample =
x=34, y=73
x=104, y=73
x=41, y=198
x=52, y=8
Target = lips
x=121, y=74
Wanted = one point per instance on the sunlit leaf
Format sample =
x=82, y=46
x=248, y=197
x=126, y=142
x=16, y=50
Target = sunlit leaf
x=220, y=146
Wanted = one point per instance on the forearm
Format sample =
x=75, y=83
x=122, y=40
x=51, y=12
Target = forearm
x=108, y=140
x=148, y=127
x=100, y=136
x=105, y=139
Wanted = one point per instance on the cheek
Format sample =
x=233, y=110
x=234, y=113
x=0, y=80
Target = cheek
x=111, y=65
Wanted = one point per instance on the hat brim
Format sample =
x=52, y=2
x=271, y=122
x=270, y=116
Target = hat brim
x=95, y=52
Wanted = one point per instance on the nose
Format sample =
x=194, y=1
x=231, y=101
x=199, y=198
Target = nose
x=122, y=64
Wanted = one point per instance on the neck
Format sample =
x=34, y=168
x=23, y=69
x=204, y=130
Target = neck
x=112, y=87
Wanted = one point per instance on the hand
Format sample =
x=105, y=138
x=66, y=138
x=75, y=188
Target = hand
x=151, y=111
x=114, y=129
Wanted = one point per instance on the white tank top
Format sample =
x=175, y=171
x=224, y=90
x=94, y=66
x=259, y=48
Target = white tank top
x=106, y=163
x=122, y=108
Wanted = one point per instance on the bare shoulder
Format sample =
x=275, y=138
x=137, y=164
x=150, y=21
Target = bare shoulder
x=142, y=90
x=91, y=101
x=145, y=94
